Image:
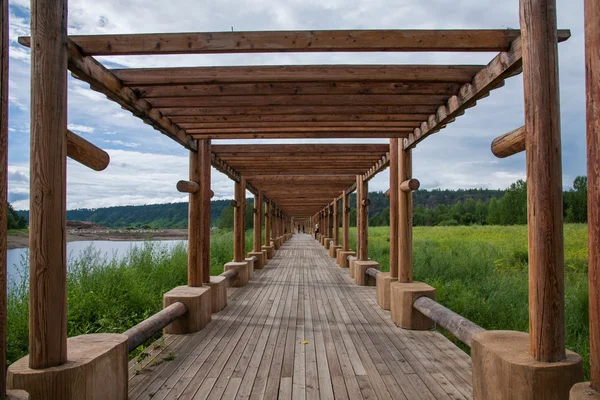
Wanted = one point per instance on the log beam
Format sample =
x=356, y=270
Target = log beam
x=544, y=180
x=510, y=143
x=86, y=153
x=410, y=185
x=47, y=238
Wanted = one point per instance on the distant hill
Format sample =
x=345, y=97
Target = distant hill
x=175, y=215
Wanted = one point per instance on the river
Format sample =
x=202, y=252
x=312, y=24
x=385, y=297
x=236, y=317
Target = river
x=110, y=248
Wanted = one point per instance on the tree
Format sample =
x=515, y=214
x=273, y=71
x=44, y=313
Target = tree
x=14, y=221
x=575, y=201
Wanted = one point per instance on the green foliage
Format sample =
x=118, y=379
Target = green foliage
x=14, y=220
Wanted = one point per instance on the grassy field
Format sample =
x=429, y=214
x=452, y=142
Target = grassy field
x=478, y=271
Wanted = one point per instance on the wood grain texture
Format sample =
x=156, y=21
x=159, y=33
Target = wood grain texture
x=86, y=152
x=394, y=221
x=363, y=238
x=297, y=73
x=149, y=327
x=4, y=32
x=47, y=221
x=405, y=218
x=268, y=222
x=258, y=215
x=510, y=143
x=592, y=58
x=188, y=187
x=204, y=194
x=345, y=221
x=336, y=222
x=194, y=226
x=238, y=222
x=295, y=110
x=544, y=180
x=297, y=41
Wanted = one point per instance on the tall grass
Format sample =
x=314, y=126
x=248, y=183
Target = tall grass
x=109, y=294
x=481, y=273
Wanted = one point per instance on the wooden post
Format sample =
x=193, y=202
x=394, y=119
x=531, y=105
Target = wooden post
x=238, y=223
x=544, y=180
x=394, y=143
x=405, y=264
x=364, y=221
x=268, y=224
x=331, y=219
x=258, y=211
x=47, y=223
x=204, y=195
x=336, y=222
x=194, y=226
x=243, y=207
x=3, y=188
x=592, y=63
x=358, y=213
x=345, y=221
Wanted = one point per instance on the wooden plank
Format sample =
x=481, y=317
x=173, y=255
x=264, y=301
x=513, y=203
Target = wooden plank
x=592, y=64
x=300, y=148
x=302, y=129
x=47, y=231
x=298, y=118
x=286, y=125
x=295, y=110
x=297, y=73
x=307, y=88
x=304, y=135
x=544, y=181
x=4, y=32
x=297, y=41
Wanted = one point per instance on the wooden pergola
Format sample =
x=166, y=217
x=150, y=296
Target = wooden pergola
x=402, y=103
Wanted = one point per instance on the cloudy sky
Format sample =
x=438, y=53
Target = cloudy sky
x=145, y=165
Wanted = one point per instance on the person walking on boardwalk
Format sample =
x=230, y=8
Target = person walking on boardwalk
x=303, y=228
x=316, y=230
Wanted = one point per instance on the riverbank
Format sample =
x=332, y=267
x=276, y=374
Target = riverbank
x=20, y=239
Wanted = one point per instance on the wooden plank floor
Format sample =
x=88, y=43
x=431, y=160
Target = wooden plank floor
x=302, y=330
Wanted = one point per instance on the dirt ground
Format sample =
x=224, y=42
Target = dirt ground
x=80, y=231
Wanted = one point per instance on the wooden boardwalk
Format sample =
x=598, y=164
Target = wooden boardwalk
x=302, y=329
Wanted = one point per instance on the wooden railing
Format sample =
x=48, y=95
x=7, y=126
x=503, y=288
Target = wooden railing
x=149, y=327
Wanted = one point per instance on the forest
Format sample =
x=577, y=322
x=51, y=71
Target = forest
x=431, y=208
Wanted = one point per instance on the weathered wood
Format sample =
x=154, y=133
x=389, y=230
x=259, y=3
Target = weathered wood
x=299, y=88
x=4, y=32
x=297, y=118
x=297, y=73
x=372, y=272
x=394, y=219
x=358, y=206
x=459, y=326
x=194, y=277
x=592, y=59
x=410, y=185
x=258, y=215
x=86, y=153
x=229, y=274
x=296, y=110
x=363, y=238
x=204, y=195
x=188, y=187
x=297, y=41
x=143, y=331
x=380, y=166
x=304, y=149
x=47, y=231
x=405, y=218
x=336, y=222
x=510, y=143
x=504, y=65
x=544, y=180
x=268, y=222
x=312, y=134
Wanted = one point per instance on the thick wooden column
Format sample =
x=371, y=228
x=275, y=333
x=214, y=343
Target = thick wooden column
x=238, y=222
x=592, y=63
x=364, y=221
x=331, y=219
x=544, y=180
x=358, y=213
x=336, y=222
x=199, y=216
x=405, y=262
x=47, y=223
x=268, y=224
x=244, y=208
x=258, y=212
x=3, y=187
x=345, y=221
x=394, y=187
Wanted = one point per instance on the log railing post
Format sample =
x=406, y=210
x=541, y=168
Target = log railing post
x=394, y=245
x=336, y=222
x=47, y=223
x=3, y=188
x=363, y=254
x=258, y=212
x=238, y=222
x=544, y=180
x=405, y=264
x=345, y=221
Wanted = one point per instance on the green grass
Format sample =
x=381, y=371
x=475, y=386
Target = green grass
x=479, y=271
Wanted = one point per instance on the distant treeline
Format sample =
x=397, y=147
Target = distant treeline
x=15, y=221
x=431, y=207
